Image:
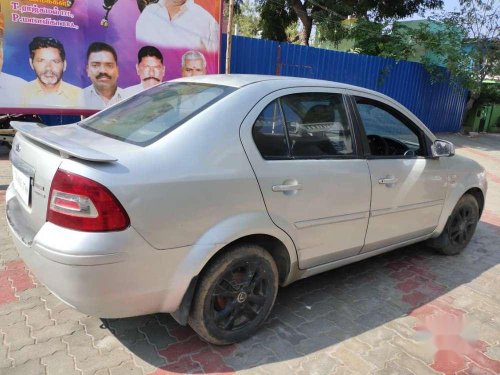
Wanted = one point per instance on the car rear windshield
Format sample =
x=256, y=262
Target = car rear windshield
x=148, y=116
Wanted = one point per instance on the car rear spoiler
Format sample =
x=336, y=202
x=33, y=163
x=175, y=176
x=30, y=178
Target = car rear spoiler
x=66, y=148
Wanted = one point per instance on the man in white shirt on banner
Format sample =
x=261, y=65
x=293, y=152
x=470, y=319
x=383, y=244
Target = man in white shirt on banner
x=150, y=69
x=102, y=69
x=10, y=86
x=178, y=24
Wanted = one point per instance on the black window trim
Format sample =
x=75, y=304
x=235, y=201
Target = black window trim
x=400, y=116
x=355, y=135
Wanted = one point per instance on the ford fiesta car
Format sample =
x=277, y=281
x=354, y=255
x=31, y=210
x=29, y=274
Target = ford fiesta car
x=200, y=196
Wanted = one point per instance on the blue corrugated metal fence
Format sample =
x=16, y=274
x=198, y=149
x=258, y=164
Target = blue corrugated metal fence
x=439, y=105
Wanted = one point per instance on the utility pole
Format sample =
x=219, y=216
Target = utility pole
x=229, y=36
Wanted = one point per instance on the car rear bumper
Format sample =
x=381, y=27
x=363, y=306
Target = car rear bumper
x=109, y=275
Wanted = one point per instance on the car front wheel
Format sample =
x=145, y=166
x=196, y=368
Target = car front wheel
x=460, y=227
x=235, y=294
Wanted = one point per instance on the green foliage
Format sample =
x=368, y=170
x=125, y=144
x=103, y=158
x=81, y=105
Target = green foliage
x=247, y=19
x=327, y=15
x=275, y=17
x=467, y=44
x=490, y=94
x=379, y=39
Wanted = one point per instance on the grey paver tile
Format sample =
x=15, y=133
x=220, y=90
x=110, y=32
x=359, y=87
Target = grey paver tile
x=80, y=345
x=36, y=351
x=58, y=330
x=27, y=304
x=17, y=336
x=126, y=368
x=146, y=356
x=318, y=364
x=60, y=363
x=33, y=367
x=414, y=365
x=103, y=361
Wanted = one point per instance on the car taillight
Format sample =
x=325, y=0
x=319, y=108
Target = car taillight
x=79, y=203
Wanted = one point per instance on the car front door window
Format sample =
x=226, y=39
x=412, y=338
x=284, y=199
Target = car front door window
x=388, y=132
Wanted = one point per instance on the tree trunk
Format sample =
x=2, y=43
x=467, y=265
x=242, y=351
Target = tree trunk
x=470, y=103
x=306, y=20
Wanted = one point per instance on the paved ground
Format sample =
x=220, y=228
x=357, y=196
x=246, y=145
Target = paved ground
x=406, y=312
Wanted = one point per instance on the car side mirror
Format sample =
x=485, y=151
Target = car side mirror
x=442, y=148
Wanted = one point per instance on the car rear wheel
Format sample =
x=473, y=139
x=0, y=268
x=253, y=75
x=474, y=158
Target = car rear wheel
x=235, y=295
x=460, y=227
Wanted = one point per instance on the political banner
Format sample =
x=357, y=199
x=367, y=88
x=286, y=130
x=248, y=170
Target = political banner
x=80, y=56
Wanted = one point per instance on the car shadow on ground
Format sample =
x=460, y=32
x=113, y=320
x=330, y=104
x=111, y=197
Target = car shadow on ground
x=324, y=310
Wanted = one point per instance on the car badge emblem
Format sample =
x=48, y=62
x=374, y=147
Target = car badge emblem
x=18, y=147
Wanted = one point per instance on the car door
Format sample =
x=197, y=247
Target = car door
x=316, y=187
x=408, y=186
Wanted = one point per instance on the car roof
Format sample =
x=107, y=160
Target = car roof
x=241, y=80
x=283, y=82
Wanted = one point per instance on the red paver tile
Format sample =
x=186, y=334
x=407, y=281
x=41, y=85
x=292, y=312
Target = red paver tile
x=449, y=362
x=415, y=299
x=397, y=265
x=401, y=275
x=408, y=285
x=482, y=360
x=482, y=154
x=175, y=351
x=184, y=366
x=182, y=333
x=226, y=350
x=17, y=273
x=15, y=265
x=473, y=369
x=212, y=362
x=493, y=177
x=454, y=353
x=422, y=271
x=490, y=218
x=6, y=296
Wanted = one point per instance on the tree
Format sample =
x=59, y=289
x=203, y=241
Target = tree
x=275, y=17
x=382, y=39
x=326, y=15
x=468, y=45
x=247, y=19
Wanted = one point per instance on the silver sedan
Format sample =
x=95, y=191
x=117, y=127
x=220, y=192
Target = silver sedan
x=200, y=196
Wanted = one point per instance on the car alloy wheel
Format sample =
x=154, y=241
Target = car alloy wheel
x=240, y=295
x=234, y=295
x=462, y=225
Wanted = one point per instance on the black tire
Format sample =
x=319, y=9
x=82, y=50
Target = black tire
x=235, y=295
x=460, y=227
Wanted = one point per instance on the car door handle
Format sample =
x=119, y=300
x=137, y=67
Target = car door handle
x=388, y=180
x=285, y=188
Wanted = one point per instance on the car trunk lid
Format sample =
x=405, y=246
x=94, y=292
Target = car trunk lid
x=36, y=156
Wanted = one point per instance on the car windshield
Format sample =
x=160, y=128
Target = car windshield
x=148, y=116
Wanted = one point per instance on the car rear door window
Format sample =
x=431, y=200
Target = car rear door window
x=317, y=125
x=269, y=133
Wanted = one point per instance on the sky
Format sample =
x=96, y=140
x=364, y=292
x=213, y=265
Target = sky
x=449, y=6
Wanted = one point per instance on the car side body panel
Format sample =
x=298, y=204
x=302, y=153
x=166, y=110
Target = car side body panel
x=463, y=174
